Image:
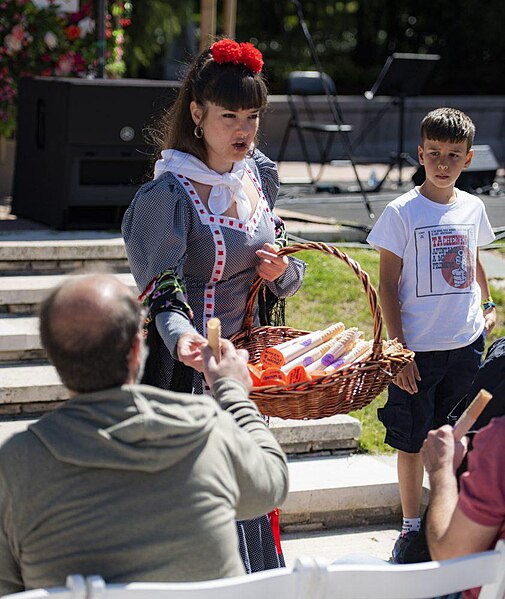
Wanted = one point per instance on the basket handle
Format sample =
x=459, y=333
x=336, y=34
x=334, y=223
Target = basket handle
x=247, y=324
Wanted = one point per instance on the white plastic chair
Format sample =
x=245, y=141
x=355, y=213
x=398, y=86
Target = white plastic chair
x=282, y=583
x=419, y=581
x=312, y=579
x=75, y=589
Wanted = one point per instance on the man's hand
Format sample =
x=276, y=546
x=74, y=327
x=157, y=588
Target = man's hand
x=407, y=378
x=271, y=265
x=489, y=319
x=233, y=364
x=440, y=450
x=189, y=348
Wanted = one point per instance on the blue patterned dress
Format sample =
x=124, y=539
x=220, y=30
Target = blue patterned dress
x=191, y=266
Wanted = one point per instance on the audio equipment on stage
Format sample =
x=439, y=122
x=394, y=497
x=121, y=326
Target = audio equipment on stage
x=81, y=151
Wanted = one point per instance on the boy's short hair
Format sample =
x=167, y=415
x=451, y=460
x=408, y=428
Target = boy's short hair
x=448, y=124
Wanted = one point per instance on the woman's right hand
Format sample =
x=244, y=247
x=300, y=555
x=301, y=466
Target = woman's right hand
x=189, y=350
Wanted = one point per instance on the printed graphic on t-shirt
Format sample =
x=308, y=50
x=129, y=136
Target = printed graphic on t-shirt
x=445, y=259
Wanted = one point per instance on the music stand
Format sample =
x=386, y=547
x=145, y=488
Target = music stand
x=403, y=75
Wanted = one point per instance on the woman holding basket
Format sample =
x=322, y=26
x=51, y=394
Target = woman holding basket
x=204, y=227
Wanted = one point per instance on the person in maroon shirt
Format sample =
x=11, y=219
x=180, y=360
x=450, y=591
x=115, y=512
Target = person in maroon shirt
x=472, y=520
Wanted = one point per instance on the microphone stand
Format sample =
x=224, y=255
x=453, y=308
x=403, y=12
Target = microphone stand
x=334, y=106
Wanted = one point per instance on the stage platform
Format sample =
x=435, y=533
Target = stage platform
x=337, y=199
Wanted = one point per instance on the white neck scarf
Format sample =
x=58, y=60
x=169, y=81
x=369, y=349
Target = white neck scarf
x=223, y=186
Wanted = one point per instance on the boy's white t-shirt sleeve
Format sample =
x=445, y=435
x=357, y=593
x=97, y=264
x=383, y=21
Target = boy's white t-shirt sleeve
x=486, y=234
x=388, y=232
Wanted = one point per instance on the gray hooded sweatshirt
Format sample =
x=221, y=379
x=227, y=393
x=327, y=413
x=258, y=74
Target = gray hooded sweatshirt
x=135, y=483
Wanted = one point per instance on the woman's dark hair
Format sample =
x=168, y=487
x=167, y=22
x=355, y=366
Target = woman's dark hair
x=232, y=86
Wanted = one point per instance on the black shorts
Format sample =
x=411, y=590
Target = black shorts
x=446, y=376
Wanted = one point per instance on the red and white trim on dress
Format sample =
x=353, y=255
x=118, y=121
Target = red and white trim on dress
x=215, y=222
x=254, y=221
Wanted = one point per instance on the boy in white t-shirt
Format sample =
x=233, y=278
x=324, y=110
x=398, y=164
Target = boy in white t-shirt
x=431, y=288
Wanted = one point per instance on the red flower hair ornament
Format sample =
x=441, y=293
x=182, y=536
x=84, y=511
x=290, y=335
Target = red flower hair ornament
x=231, y=51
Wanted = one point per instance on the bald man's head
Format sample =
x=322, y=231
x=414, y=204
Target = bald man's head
x=88, y=326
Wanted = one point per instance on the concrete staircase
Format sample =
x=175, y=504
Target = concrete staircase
x=30, y=266
x=329, y=485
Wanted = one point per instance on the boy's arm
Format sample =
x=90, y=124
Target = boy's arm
x=490, y=313
x=389, y=277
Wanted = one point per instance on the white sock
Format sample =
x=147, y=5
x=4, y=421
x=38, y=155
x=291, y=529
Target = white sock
x=410, y=525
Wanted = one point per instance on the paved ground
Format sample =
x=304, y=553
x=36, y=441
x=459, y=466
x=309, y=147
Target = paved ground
x=332, y=544
x=351, y=207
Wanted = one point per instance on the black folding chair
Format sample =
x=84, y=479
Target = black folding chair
x=303, y=87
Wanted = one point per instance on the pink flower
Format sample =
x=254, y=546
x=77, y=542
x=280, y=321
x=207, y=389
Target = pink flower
x=18, y=32
x=64, y=66
x=12, y=43
x=79, y=63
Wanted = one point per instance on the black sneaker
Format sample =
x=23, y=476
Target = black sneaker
x=401, y=546
x=410, y=548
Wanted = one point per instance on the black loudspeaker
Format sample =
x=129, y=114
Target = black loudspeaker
x=81, y=152
x=478, y=177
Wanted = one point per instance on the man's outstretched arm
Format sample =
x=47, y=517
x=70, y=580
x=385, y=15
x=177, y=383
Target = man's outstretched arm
x=260, y=464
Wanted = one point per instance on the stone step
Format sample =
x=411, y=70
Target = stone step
x=19, y=338
x=352, y=490
x=22, y=294
x=61, y=255
x=26, y=389
x=336, y=433
x=61, y=251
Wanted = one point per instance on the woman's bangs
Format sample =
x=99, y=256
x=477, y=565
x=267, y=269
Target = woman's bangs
x=238, y=93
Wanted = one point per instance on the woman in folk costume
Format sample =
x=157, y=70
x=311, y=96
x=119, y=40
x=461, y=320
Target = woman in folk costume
x=197, y=234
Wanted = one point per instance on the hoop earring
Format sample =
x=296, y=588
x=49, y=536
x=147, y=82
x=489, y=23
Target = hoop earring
x=198, y=132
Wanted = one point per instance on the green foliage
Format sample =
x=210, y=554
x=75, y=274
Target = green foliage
x=354, y=38
x=331, y=292
x=155, y=25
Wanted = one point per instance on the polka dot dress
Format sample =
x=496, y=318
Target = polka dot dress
x=168, y=227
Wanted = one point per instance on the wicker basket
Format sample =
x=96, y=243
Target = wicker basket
x=343, y=391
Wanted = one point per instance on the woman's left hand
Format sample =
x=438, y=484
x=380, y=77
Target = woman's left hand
x=271, y=265
x=189, y=350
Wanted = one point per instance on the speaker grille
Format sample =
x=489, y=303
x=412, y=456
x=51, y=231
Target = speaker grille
x=113, y=171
